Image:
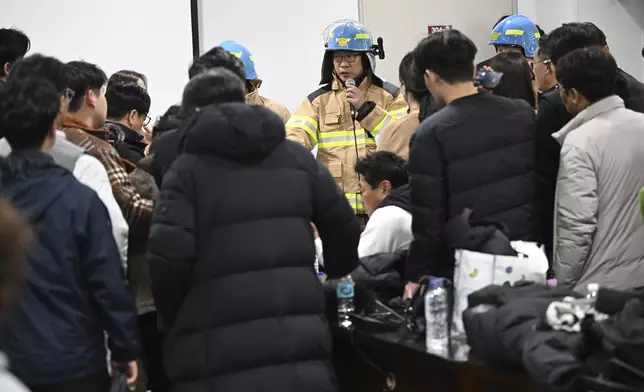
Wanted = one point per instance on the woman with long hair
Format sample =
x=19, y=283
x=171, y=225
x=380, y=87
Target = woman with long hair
x=396, y=136
x=517, y=77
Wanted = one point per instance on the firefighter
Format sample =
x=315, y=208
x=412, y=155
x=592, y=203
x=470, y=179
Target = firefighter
x=253, y=82
x=343, y=119
x=516, y=33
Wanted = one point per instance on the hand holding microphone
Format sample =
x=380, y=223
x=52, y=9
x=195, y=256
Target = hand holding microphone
x=355, y=96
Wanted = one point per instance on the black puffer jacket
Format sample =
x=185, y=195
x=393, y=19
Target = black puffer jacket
x=477, y=153
x=232, y=257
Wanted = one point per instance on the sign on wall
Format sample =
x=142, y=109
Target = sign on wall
x=436, y=28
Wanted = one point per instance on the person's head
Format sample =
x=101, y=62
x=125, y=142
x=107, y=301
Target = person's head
x=89, y=83
x=128, y=77
x=446, y=59
x=28, y=108
x=51, y=69
x=173, y=118
x=411, y=79
x=571, y=36
x=14, y=44
x=517, y=77
x=380, y=174
x=246, y=58
x=586, y=76
x=347, y=47
x=215, y=86
x=516, y=33
x=15, y=237
x=217, y=57
x=128, y=104
x=543, y=68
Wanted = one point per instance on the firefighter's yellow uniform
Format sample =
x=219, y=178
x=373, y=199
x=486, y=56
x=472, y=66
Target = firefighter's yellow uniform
x=253, y=98
x=324, y=119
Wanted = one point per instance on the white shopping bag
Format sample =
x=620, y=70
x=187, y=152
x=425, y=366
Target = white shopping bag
x=473, y=271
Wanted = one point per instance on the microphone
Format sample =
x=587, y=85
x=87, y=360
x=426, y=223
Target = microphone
x=351, y=82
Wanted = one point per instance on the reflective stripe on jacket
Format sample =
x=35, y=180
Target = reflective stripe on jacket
x=324, y=119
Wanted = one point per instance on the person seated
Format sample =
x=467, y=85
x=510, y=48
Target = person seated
x=232, y=252
x=598, y=233
x=76, y=289
x=385, y=191
x=253, y=82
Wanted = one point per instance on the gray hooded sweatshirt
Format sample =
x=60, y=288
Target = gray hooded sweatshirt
x=599, y=236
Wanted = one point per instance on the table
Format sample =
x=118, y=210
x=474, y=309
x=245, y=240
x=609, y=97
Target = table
x=414, y=369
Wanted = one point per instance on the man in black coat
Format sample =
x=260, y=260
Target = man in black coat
x=552, y=116
x=232, y=252
x=475, y=153
x=76, y=289
x=165, y=148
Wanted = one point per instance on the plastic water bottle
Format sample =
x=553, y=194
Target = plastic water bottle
x=345, y=293
x=436, y=317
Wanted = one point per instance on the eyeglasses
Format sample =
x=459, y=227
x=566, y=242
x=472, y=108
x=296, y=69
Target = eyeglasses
x=68, y=93
x=545, y=62
x=147, y=120
x=350, y=58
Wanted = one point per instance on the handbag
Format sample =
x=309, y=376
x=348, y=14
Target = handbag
x=474, y=271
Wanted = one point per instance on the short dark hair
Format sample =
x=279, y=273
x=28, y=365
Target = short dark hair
x=83, y=77
x=123, y=98
x=217, y=57
x=14, y=44
x=381, y=166
x=214, y=86
x=571, y=36
x=28, y=109
x=126, y=76
x=173, y=118
x=448, y=53
x=49, y=68
x=411, y=77
x=591, y=71
x=516, y=82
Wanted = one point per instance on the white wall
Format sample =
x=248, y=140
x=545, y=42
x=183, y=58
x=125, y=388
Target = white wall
x=404, y=24
x=621, y=20
x=107, y=33
x=284, y=36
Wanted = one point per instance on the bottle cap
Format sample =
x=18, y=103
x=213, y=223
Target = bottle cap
x=435, y=283
x=592, y=287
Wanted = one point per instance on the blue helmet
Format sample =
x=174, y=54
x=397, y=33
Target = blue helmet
x=350, y=36
x=243, y=55
x=517, y=30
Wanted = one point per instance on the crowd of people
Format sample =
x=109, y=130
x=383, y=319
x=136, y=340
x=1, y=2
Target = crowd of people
x=190, y=245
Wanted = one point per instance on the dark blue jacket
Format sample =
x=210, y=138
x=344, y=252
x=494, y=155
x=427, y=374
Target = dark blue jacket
x=75, y=286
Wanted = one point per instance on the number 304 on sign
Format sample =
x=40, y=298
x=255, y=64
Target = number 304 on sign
x=437, y=28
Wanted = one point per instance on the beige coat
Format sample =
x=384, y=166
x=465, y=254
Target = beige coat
x=598, y=231
x=324, y=119
x=396, y=136
x=253, y=98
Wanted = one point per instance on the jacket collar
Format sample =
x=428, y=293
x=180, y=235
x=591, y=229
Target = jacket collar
x=253, y=98
x=71, y=122
x=598, y=108
x=128, y=134
x=363, y=83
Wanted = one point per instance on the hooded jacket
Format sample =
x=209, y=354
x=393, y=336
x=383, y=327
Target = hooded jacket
x=389, y=227
x=232, y=256
x=324, y=119
x=75, y=287
x=598, y=231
